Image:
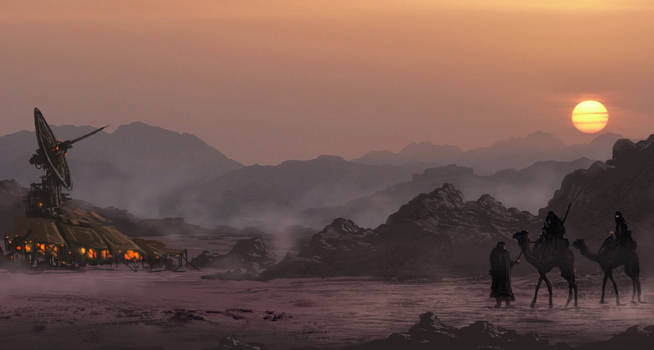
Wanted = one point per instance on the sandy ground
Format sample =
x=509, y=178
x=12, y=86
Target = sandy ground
x=122, y=309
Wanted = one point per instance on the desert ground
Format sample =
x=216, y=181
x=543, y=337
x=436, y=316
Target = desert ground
x=106, y=308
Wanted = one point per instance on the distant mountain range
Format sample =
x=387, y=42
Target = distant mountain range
x=153, y=172
x=528, y=189
x=514, y=153
x=274, y=196
x=130, y=168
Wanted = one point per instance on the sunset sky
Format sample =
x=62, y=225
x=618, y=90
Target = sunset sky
x=269, y=80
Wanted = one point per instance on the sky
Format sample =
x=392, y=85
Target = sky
x=264, y=81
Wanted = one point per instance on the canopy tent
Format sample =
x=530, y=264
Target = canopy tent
x=116, y=240
x=152, y=247
x=82, y=236
x=39, y=230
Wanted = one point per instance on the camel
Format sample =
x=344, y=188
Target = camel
x=545, y=256
x=611, y=256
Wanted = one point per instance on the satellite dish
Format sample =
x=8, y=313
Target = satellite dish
x=45, y=198
x=49, y=148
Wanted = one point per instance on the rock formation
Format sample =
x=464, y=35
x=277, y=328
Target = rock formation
x=249, y=254
x=625, y=183
x=433, y=232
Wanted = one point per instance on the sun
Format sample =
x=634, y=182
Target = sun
x=590, y=117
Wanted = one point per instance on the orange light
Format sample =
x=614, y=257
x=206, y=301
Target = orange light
x=40, y=204
x=131, y=255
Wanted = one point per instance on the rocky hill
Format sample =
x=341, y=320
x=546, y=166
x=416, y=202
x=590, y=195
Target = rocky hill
x=432, y=233
x=625, y=182
x=528, y=189
x=514, y=153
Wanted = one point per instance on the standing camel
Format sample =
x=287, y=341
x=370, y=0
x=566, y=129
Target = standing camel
x=612, y=256
x=546, y=255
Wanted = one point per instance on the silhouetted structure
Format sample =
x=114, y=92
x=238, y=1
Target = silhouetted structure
x=45, y=198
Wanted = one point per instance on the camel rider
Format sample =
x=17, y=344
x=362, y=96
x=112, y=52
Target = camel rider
x=501, y=264
x=553, y=226
x=553, y=232
x=621, y=228
x=622, y=232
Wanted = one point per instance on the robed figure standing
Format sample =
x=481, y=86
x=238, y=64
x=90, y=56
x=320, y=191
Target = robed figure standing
x=500, y=271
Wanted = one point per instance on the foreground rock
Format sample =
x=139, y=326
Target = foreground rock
x=431, y=333
x=233, y=343
x=433, y=233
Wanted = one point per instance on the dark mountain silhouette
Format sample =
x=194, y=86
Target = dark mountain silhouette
x=273, y=196
x=514, y=153
x=432, y=233
x=129, y=168
x=528, y=189
x=625, y=183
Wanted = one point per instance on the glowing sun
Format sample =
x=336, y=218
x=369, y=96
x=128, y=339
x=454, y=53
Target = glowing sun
x=590, y=117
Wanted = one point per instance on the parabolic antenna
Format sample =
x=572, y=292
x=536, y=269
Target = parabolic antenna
x=52, y=154
x=45, y=198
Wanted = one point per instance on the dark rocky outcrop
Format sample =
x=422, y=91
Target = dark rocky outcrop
x=433, y=233
x=625, y=182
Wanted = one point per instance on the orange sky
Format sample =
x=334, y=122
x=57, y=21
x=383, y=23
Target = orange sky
x=265, y=81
